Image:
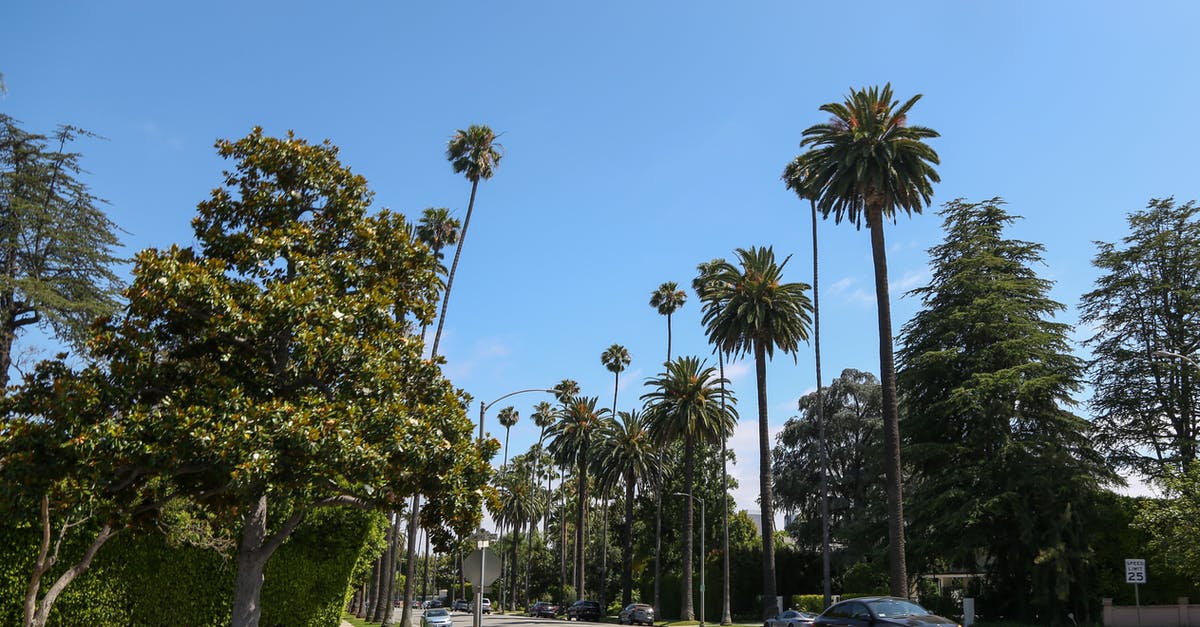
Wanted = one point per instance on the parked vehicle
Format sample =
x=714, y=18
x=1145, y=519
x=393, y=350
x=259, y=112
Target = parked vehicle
x=486, y=606
x=637, y=613
x=432, y=603
x=584, y=610
x=544, y=609
x=871, y=611
x=461, y=605
x=437, y=617
x=791, y=618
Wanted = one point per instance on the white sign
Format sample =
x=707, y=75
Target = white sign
x=1135, y=571
x=481, y=559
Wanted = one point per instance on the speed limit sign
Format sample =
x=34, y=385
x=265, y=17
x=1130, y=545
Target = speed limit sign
x=1135, y=571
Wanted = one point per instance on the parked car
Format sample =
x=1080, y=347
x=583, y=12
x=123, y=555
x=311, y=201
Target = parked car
x=486, y=606
x=636, y=613
x=432, y=603
x=437, y=617
x=461, y=605
x=870, y=611
x=584, y=610
x=791, y=618
x=544, y=609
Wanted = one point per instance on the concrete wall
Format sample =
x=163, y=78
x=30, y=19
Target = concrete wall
x=1181, y=614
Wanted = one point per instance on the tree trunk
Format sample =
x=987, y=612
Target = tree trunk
x=765, y=485
x=37, y=611
x=410, y=564
x=462, y=237
x=255, y=548
x=658, y=544
x=512, y=588
x=897, y=571
x=362, y=602
x=8, y=336
x=380, y=584
x=825, y=574
x=687, y=612
x=389, y=589
x=581, y=526
x=562, y=541
x=627, y=542
x=604, y=556
x=726, y=617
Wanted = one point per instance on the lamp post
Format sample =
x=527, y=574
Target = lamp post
x=701, y=551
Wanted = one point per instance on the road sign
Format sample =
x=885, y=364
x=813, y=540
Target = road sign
x=1135, y=571
x=485, y=558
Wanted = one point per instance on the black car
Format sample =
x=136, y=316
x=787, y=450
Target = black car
x=584, y=610
x=544, y=609
x=869, y=611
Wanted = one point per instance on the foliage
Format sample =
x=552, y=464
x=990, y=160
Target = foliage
x=1146, y=301
x=814, y=603
x=863, y=578
x=853, y=431
x=999, y=463
x=1173, y=523
x=56, y=244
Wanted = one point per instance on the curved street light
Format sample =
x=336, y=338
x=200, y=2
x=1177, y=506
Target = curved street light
x=690, y=496
x=1173, y=355
x=483, y=407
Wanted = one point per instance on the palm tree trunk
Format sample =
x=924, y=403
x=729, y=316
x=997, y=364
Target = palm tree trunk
x=513, y=568
x=658, y=544
x=897, y=571
x=604, y=555
x=668, y=341
x=425, y=571
x=562, y=541
x=581, y=526
x=627, y=542
x=462, y=237
x=687, y=612
x=726, y=615
x=410, y=564
x=765, y=485
x=825, y=579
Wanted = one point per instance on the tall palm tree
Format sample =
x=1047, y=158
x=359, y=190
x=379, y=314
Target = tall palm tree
x=544, y=415
x=572, y=435
x=797, y=179
x=704, y=272
x=437, y=229
x=667, y=299
x=756, y=312
x=688, y=402
x=475, y=154
x=627, y=454
x=615, y=358
x=866, y=163
x=508, y=417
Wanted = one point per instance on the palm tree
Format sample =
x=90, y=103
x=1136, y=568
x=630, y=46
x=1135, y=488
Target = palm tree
x=475, y=154
x=700, y=285
x=863, y=165
x=438, y=230
x=572, y=435
x=667, y=299
x=508, y=417
x=615, y=358
x=755, y=312
x=627, y=453
x=544, y=415
x=797, y=179
x=688, y=402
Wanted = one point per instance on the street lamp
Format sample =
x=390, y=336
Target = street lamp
x=483, y=407
x=701, y=551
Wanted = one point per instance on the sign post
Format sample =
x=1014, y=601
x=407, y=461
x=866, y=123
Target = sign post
x=1135, y=573
x=480, y=571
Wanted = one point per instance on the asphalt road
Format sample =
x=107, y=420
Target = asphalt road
x=463, y=619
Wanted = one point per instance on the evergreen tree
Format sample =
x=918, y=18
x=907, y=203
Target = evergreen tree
x=1003, y=474
x=56, y=245
x=1146, y=306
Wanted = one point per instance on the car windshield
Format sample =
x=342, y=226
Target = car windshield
x=437, y=612
x=891, y=608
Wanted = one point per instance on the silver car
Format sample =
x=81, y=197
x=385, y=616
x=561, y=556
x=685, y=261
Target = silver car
x=791, y=618
x=437, y=617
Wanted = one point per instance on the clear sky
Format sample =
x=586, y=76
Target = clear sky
x=640, y=138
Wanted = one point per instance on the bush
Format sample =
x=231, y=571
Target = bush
x=814, y=603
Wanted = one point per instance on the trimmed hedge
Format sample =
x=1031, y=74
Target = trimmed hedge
x=140, y=580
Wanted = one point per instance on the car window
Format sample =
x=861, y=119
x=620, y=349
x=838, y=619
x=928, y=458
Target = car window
x=436, y=612
x=892, y=608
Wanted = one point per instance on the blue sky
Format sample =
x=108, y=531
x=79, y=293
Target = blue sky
x=641, y=138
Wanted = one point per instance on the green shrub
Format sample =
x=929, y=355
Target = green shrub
x=814, y=603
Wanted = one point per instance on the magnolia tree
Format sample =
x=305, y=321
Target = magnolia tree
x=272, y=369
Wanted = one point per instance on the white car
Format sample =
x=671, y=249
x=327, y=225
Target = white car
x=437, y=617
x=791, y=618
x=486, y=608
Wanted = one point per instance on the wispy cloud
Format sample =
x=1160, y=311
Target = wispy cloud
x=847, y=290
x=485, y=351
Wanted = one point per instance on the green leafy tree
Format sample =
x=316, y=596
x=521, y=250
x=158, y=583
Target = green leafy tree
x=56, y=244
x=579, y=423
x=272, y=367
x=1145, y=305
x=688, y=402
x=1173, y=521
x=756, y=312
x=866, y=163
x=853, y=436
x=999, y=462
x=627, y=454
